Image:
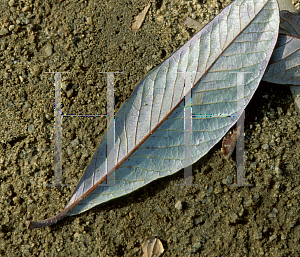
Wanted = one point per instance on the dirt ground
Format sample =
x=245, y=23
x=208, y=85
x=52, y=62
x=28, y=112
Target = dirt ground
x=86, y=37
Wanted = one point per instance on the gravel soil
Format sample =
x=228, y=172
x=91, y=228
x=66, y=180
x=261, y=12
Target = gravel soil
x=84, y=38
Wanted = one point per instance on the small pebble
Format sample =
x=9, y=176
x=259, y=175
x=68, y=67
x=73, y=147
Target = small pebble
x=265, y=146
x=131, y=215
x=210, y=189
x=272, y=237
x=75, y=142
x=160, y=19
x=70, y=93
x=31, y=128
x=35, y=70
x=272, y=215
x=11, y=27
x=279, y=110
x=228, y=180
x=198, y=221
x=3, y=31
x=255, y=197
x=16, y=199
x=278, y=171
x=26, y=8
x=48, y=50
x=196, y=247
x=11, y=3
x=89, y=21
x=178, y=205
x=253, y=165
x=233, y=217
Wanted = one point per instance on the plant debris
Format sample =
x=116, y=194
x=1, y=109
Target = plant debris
x=140, y=18
x=151, y=247
x=229, y=142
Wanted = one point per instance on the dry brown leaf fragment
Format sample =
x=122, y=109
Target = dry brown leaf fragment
x=140, y=18
x=229, y=142
x=151, y=247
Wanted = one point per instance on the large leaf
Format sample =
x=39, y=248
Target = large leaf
x=284, y=65
x=150, y=127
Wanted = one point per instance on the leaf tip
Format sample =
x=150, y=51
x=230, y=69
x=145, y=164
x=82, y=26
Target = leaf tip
x=27, y=222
